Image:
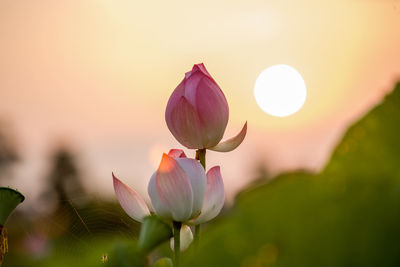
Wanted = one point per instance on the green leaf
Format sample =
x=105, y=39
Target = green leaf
x=9, y=200
x=153, y=232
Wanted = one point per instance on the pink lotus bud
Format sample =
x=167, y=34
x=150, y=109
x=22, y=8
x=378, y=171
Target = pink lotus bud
x=197, y=112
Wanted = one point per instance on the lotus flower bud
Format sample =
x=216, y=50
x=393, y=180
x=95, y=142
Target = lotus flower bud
x=179, y=190
x=197, y=111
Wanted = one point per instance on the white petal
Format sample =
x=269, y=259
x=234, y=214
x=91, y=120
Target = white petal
x=186, y=238
x=174, y=189
x=198, y=180
x=214, y=196
x=231, y=143
x=158, y=206
x=130, y=201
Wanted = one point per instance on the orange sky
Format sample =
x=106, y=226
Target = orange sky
x=98, y=73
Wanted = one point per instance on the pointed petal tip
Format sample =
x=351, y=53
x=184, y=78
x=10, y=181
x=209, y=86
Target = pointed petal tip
x=201, y=67
x=198, y=66
x=130, y=201
x=115, y=179
x=215, y=169
x=177, y=153
x=167, y=163
x=232, y=143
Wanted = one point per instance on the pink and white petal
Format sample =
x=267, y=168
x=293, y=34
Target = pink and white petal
x=186, y=238
x=213, y=110
x=198, y=181
x=231, y=143
x=177, y=153
x=184, y=124
x=158, y=206
x=214, y=197
x=130, y=201
x=174, y=189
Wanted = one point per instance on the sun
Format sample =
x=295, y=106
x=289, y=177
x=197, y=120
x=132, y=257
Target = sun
x=280, y=90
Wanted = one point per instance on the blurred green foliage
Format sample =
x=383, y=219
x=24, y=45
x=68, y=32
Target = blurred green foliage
x=163, y=262
x=107, y=251
x=347, y=215
x=126, y=254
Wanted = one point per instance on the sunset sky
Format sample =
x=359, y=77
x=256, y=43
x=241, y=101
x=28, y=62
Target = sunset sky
x=97, y=74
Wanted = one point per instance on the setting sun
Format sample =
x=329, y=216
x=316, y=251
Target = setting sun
x=280, y=91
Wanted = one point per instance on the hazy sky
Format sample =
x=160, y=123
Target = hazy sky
x=97, y=74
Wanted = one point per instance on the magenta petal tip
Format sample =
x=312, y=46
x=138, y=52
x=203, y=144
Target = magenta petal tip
x=177, y=153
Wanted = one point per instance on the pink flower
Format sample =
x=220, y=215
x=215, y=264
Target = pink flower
x=197, y=113
x=179, y=190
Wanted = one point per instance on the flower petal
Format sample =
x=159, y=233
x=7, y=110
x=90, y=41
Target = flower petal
x=158, y=206
x=213, y=111
x=177, y=153
x=186, y=238
x=174, y=189
x=184, y=123
x=214, y=196
x=130, y=201
x=231, y=143
x=198, y=181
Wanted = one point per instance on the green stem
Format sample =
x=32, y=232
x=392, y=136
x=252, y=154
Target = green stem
x=177, y=242
x=196, y=238
x=201, y=156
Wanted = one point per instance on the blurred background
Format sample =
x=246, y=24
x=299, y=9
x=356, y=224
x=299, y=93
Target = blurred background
x=83, y=91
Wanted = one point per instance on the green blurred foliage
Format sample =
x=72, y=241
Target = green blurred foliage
x=163, y=262
x=125, y=254
x=347, y=215
x=107, y=251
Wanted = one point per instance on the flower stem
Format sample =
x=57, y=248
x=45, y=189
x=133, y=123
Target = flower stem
x=196, y=238
x=177, y=242
x=201, y=156
x=3, y=243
